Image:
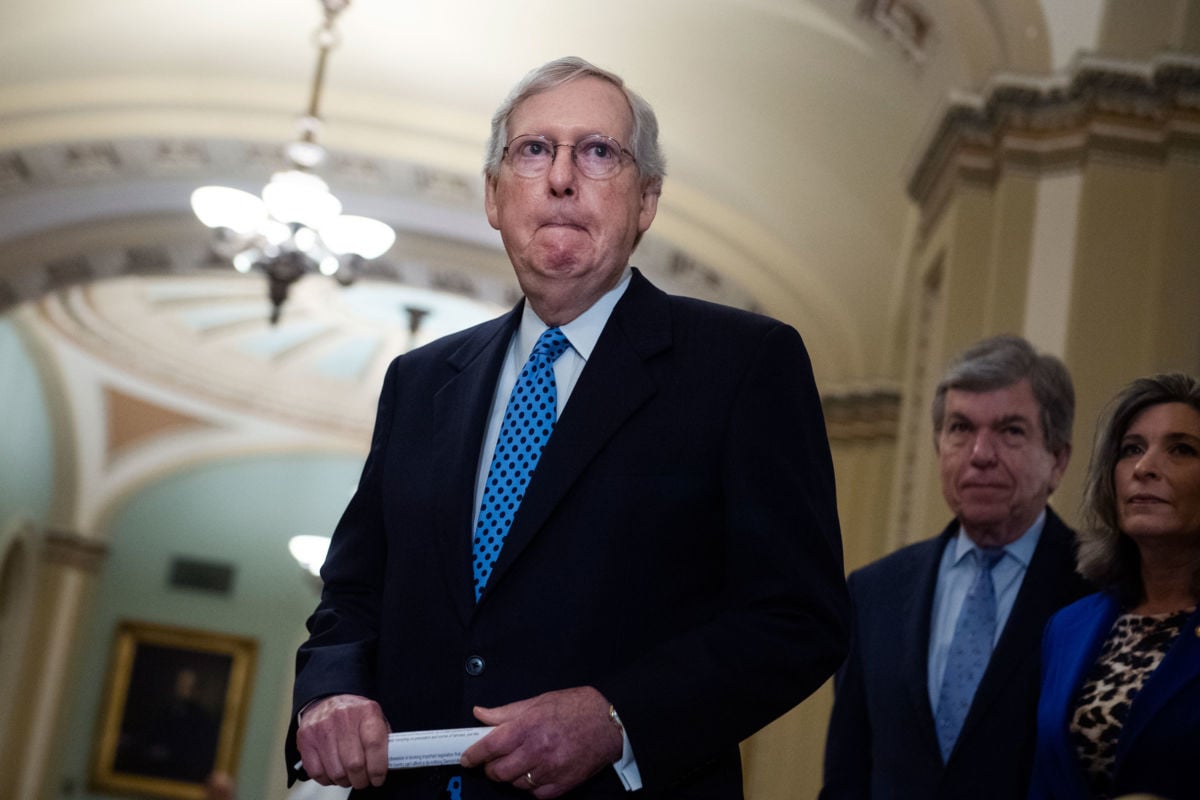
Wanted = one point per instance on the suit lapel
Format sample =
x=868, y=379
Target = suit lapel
x=614, y=383
x=917, y=613
x=461, y=410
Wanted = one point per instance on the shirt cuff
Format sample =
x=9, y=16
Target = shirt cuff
x=626, y=766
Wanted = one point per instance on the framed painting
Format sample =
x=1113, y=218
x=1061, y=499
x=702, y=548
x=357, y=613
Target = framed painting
x=173, y=711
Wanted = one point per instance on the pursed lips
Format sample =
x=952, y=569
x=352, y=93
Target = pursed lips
x=563, y=223
x=987, y=487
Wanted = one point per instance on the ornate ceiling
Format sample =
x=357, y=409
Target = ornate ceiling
x=791, y=129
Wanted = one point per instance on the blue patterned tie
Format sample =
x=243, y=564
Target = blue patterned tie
x=970, y=650
x=528, y=420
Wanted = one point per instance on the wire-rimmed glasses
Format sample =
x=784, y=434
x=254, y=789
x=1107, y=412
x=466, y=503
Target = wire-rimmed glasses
x=596, y=156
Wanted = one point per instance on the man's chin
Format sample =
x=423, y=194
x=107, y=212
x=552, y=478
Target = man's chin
x=558, y=262
x=984, y=516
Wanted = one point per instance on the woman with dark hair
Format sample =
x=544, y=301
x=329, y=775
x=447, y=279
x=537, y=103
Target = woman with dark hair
x=1120, y=703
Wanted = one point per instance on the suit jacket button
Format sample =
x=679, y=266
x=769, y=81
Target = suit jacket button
x=475, y=666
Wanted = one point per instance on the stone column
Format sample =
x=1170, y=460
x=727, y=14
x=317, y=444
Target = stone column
x=1063, y=209
x=57, y=572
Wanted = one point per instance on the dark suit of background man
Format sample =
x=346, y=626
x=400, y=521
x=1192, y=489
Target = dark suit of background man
x=673, y=578
x=1002, y=431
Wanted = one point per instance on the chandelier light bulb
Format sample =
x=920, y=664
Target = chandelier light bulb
x=276, y=233
x=244, y=261
x=223, y=207
x=305, y=239
x=330, y=266
x=310, y=551
x=301, y=197
x=361, y=236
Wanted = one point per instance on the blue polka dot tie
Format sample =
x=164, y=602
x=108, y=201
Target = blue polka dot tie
x=528, y=420
x=970, y=650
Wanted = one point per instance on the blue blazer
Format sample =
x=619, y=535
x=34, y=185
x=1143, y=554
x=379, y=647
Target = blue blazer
x=882, y=743
x=677, y=548
x=1160, y=742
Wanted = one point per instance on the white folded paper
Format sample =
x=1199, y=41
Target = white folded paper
x=430, y=748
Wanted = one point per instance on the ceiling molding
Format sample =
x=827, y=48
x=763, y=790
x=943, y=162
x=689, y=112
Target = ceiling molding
x=153, y=175
x=1130, y=111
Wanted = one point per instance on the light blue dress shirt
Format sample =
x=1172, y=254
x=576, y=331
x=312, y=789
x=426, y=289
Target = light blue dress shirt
x=582, y=332
x=956, y=572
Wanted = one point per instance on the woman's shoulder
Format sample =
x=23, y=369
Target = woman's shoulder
x=1097, y=604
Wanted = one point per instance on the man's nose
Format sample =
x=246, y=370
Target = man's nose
x=983, y=448
x=563, y=173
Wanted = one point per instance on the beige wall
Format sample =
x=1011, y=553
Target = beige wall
x=1067, y=218
x=1135, y=300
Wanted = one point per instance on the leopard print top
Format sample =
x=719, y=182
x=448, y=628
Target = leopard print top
x=1134, y=647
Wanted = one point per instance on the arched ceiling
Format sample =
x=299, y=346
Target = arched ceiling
x=790, y=128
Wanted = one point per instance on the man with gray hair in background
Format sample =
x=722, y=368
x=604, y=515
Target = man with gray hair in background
x=938, y=696
x=622, y=585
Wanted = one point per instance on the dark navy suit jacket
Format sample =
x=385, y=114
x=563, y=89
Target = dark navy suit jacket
x=678, y=547
x=882, y=743
x=1160, y=742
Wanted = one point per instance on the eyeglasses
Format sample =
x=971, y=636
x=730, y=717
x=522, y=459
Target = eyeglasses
x=595, y=156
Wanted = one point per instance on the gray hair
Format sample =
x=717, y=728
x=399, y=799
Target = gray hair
x=1107, y=557
x=646, y=152
x=1002, y=361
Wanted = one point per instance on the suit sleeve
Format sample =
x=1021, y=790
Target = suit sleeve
x=338, y=656
x=1049, y=728
x=848, y=742
x=782, y=625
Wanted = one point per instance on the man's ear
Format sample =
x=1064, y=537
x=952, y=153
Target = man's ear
x=1061, y=459
x=489, y=201
x=650, y=192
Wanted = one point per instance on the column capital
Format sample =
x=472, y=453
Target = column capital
x=74, y=550
x=863, y=415
x=1122, y=110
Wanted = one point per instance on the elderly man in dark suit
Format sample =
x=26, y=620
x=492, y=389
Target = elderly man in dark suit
x=624, y=599
x=937, y=698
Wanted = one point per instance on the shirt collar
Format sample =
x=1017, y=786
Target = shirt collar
x=1020, y=549
x=582, y=332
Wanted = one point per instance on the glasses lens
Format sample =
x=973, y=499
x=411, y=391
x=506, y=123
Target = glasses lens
x=530, y=156
x=596, y=156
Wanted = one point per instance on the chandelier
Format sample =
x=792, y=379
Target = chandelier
x=296, y=226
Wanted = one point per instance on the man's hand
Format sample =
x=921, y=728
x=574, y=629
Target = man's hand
x=343, y=740
x=558, y=739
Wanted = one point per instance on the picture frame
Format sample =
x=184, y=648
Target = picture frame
x=174, y=710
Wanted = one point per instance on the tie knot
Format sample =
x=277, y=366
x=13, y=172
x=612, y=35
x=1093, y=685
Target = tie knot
x=551, y=344
x=988, y=557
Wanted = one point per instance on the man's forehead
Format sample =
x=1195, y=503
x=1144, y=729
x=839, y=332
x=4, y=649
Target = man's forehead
x=586, y=102
x=1015, y=401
